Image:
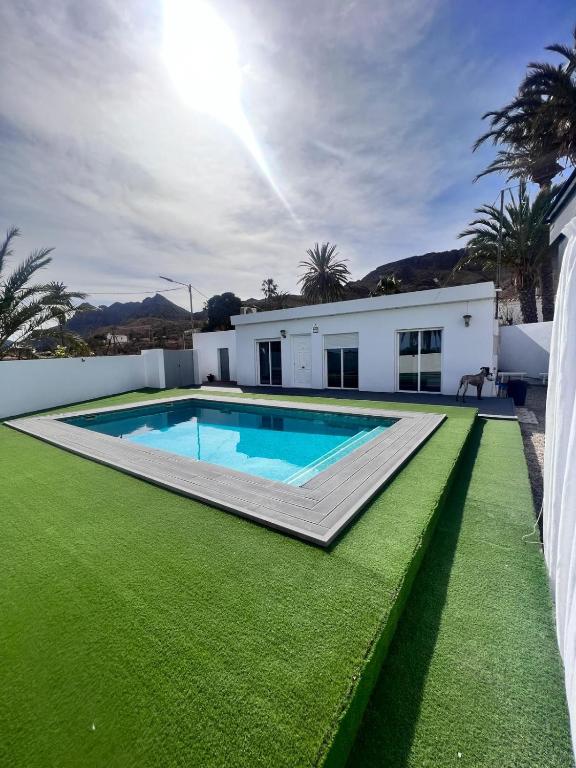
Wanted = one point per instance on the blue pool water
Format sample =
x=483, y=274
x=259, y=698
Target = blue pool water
x=289, y=446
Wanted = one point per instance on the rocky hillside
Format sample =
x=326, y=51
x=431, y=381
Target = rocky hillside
x=421, y=273
x=156, y=307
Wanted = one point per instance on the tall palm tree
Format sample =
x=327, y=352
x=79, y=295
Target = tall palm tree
x=26, y=308
x=325, y=277
x=524, y=243
x=556, y=87
x=387, y=285
x=538, y=129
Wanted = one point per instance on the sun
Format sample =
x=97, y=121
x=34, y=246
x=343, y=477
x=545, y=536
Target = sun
x=201, y=55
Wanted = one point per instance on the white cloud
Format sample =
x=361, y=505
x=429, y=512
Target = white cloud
x=101, y=159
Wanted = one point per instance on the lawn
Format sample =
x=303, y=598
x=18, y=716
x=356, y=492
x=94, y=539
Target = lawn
x=473, y=676
x=140, y=628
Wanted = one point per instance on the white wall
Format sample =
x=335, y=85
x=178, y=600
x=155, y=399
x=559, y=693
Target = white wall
x=32, y=385
x=525, y=347
x=559, y=513
x=207, y=345
x=465, y=350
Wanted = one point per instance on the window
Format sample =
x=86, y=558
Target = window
x=270, y=362
x=342, y=368
x=420, y=360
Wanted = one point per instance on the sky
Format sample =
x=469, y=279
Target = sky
x=214, y=141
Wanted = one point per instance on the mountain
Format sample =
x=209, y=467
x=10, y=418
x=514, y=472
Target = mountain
x=417, y=273
x=157, y=307
x=421, y=273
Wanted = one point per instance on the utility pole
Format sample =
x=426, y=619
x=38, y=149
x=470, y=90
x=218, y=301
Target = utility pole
x=499, y=253
x=189, y=286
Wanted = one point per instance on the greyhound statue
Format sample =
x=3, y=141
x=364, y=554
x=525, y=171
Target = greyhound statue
x=476, y=380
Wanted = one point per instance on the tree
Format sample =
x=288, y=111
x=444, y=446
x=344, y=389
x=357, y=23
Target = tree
x=270, y=291
x=220, y=308
x=538, y=129
x=26, y=308
x=325, y=277
x=387, y=285
x=524, y=243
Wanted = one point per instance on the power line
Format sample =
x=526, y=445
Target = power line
x=142, y=293
x=129, y=293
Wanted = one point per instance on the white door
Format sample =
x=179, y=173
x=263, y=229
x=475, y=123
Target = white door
x=302, y=356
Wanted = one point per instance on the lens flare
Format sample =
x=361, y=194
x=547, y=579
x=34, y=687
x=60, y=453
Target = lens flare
x=201, y=55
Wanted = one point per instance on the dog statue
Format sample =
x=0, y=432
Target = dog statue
x=476, y=380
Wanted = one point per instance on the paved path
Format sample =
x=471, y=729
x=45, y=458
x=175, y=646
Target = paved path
x=489, y=406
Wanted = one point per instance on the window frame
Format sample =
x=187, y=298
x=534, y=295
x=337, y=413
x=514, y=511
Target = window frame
x=268, y=341
x=418, y=330
x=341, y=351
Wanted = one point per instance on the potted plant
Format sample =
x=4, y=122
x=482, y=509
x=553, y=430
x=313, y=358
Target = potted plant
x=211, y=377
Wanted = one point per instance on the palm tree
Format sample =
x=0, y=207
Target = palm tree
x=325, y=277
x=524, y=243
x=538, y=128
x=387, y=285
x=270, y=290
x=556, y=87
x=26, y=308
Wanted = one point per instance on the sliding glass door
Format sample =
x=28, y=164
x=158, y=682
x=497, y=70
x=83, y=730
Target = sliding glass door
x=342, y=368
x=270, y=362
x=420, y=360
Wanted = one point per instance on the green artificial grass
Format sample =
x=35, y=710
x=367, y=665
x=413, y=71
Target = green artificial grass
x=140, y=628
x=473, y=676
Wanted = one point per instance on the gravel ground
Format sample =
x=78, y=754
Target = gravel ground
x=533, y=438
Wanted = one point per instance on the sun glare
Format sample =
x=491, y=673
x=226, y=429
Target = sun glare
x=201, y=55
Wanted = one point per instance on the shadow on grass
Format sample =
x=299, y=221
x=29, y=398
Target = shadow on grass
x=387, y=731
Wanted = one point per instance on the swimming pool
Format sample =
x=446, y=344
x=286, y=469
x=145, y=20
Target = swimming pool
x=289, y=446
x=307, y=469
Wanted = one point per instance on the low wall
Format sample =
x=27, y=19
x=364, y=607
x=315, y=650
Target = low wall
x=32, y=385
x=525, y=347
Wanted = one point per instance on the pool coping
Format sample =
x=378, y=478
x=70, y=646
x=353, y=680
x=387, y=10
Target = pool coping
x=317, y=511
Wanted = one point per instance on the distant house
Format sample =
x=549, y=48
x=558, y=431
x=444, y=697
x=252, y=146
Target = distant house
x=117, y=338
x=422, y=341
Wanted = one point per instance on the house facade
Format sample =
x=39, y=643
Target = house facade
x=422, y=341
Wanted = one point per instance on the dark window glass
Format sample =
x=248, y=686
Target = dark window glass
x=430, y=360
x=276, y=362
x=350, y=368
x=333, y=367
x=408, y=362
x=264, y=354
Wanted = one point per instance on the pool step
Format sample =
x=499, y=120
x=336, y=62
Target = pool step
x=302, y=476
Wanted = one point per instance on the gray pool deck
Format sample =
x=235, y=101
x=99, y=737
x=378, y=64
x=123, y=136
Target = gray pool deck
x=490, y=407
x=316, y=511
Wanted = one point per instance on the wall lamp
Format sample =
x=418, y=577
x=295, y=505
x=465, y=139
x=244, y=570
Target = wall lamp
x=314, y=328
x=467, y=319
x=283, y=334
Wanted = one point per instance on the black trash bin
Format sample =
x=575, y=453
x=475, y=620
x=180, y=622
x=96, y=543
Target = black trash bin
x=517, y=390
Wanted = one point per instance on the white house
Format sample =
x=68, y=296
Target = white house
x=117, y=338
x=422, y=341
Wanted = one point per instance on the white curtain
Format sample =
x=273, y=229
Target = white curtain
x=560, y=467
